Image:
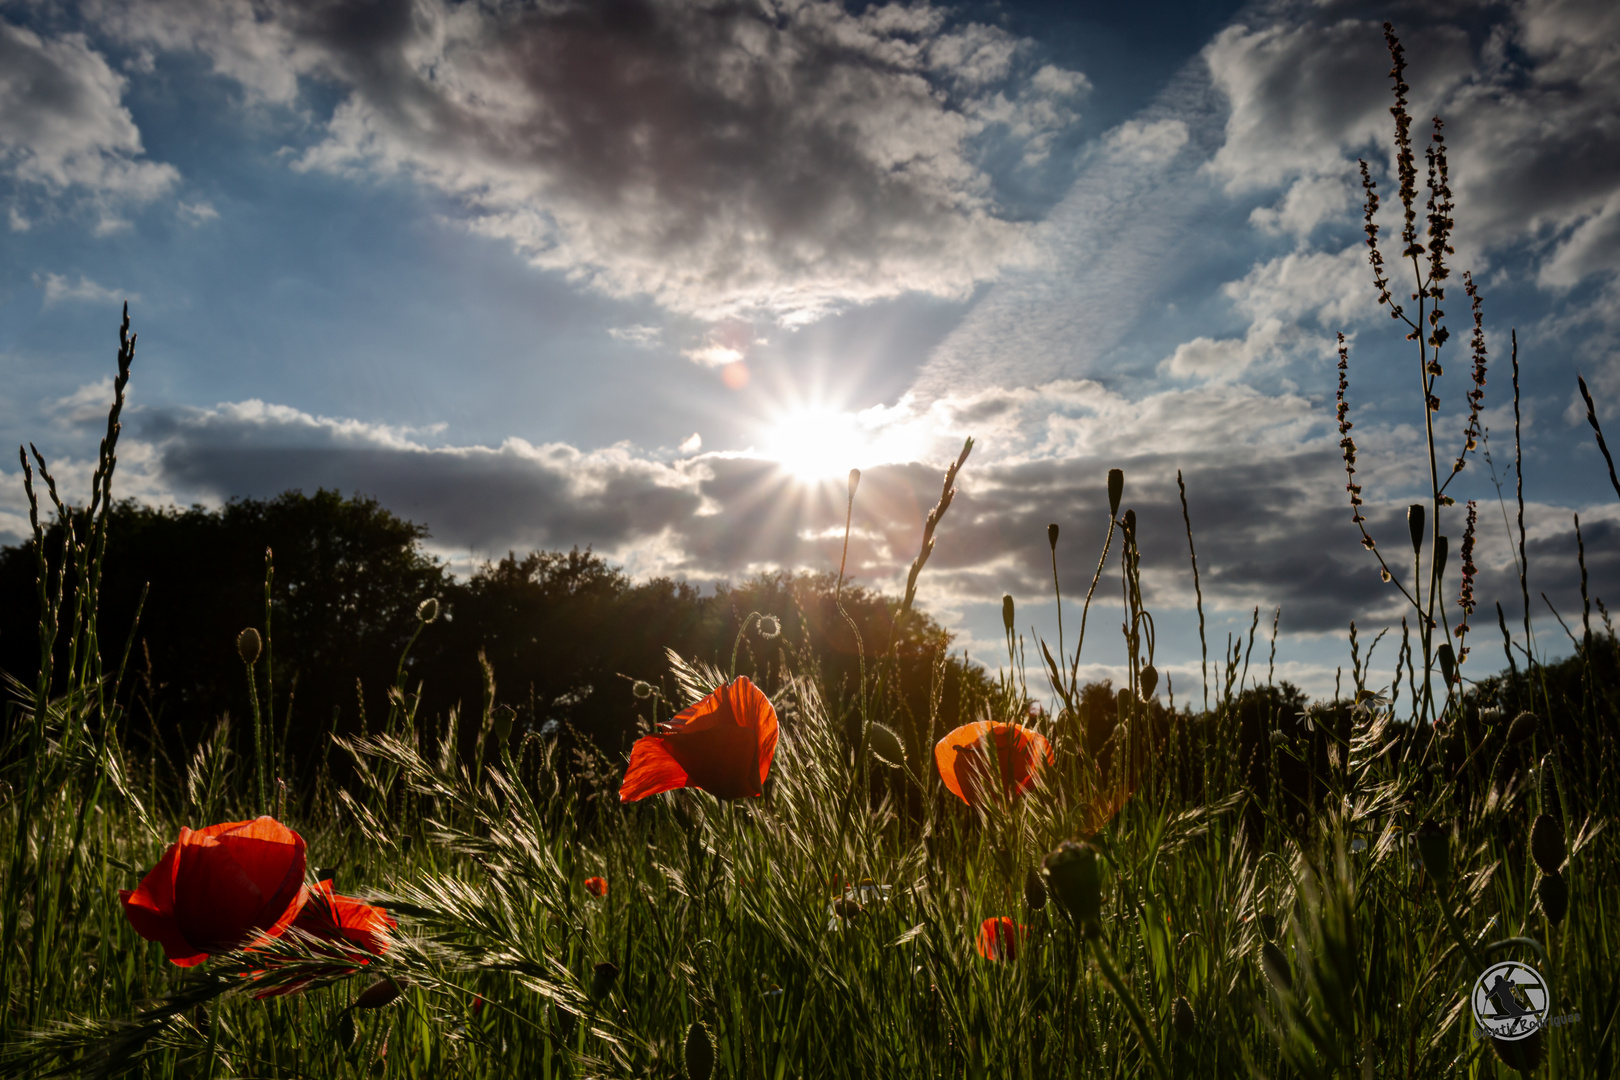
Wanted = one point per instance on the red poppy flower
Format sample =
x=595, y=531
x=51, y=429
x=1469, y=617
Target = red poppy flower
x=723, y=744
x=334, y=917
x=214, y=887
x=978, y=760
x=999, y=938
x=596, y=886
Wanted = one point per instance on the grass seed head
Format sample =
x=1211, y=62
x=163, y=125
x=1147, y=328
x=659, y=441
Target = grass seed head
x=699, y=1053
x=1554, y=894
x=1547, y=843
x=248, y=645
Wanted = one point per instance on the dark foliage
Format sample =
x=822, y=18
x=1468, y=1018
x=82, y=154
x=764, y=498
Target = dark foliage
x=565, y=634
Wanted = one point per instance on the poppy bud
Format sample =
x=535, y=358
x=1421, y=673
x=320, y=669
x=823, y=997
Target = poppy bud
x=1149, y=681
x=1274, y=962
x=770, y=626
x=428, y=610
x=1051, y=536
x=1007, y=613
x=1268, y=927
x=1549, y=785
x=1414, y=525
x=1524, y=726
x=699, y=1053
x=1129, y=521
x=1184, y=1019
x=1075, y=879
x=1547, y=843
x=846, y=908
x=380, y=993
x=1116, y=488
x=602, y=979
x=347, y=1033
x=641, y=689
x=247, y=645
x=1434, y=849
x=885, y=745
x=1034, y=890
x=1554, y=896
x=854, y=482
x=501, y=718
x=1522, y=1055
x=1448, y=662
x=1441, y=548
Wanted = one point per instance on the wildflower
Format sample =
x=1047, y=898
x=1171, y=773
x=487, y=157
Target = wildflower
x=213, y=888
x=334, y=917
x=999, y=938
x=972, y=754
x=596, y=886
x=723, y=744
x=1308, y=718
x=1367, y=703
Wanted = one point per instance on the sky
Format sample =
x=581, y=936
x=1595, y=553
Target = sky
x=650, y=276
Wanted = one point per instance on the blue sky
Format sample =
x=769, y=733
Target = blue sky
x=650, y=276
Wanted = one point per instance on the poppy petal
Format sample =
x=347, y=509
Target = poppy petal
x=273, y=858
x=653, y=769
x=157, y=926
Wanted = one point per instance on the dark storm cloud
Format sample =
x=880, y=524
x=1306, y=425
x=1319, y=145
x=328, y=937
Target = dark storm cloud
x=1270, y=532
x=786, y=155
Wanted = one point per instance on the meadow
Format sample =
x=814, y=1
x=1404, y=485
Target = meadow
x=1048, y=880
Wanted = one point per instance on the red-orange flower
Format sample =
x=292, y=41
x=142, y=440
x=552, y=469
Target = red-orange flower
x=723, y=744
x=999, y=938
x=215, y=887
x=978, y=760
x=596, y=886
x=334, y=917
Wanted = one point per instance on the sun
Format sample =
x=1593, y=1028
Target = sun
x=817, y=443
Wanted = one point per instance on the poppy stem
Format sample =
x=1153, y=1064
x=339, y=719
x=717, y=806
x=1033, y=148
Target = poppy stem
x=1105, y=964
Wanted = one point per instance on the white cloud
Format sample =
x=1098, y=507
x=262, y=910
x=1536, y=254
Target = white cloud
x=1311, y=201
x=1147, y=143
x=786, y=158
x=645, y=336
x=59, y=289
x=691, y=444
x=197, y=212
x=63, y=125
x=712, y=355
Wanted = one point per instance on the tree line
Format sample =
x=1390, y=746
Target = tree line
x=334, y=584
